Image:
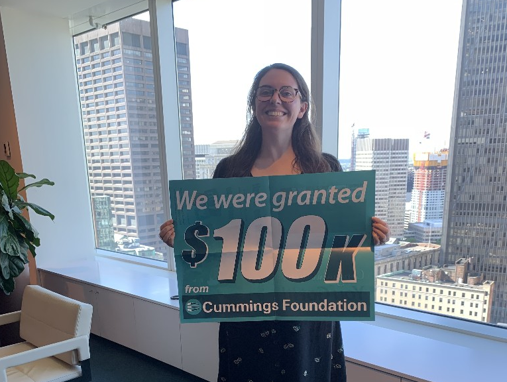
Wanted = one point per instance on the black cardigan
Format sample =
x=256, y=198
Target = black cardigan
x=223, y=166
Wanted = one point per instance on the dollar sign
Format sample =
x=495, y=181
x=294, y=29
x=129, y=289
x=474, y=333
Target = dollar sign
x=200, y=250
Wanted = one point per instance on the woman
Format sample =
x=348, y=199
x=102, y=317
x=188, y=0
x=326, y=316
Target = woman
x=279, y=140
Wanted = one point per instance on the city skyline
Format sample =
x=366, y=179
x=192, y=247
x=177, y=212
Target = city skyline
x=396, y=95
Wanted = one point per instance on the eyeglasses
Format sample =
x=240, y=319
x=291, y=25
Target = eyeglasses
x=287, y=93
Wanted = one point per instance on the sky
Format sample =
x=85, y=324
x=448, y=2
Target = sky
x=398, y=63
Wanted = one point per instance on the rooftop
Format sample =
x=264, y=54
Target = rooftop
x=411, y=276
x=392, y=250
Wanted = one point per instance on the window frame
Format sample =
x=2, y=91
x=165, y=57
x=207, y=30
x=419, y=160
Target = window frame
x=326, y=15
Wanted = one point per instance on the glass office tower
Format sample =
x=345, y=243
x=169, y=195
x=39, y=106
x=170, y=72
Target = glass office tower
x=475, y=218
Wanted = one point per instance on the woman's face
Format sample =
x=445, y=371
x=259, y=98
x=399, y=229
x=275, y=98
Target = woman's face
x=273, y=113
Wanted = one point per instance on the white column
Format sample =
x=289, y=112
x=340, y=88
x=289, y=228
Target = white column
x=326, y=26
x=166, y=88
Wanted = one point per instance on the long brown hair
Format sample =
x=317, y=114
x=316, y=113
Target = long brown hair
x=305, y=142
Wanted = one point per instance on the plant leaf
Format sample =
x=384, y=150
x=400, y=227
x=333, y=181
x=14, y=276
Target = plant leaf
x=40, y=183
x=25, y=246
x=32, y=248
x=10, y=243
x=4, y=225
x=16, y=266
x=35, y=242
x=28, y=229
x=8, y=180
x=4, y=265
x=36, y=208
x=23, y=175
x=17, y=235
x=7, y=285
x=6, y=205
x=28, y=242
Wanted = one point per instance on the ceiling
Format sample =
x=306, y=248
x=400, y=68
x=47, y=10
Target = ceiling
x=79, y=11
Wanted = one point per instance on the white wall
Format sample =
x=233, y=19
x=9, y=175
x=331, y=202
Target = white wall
x=44, y=90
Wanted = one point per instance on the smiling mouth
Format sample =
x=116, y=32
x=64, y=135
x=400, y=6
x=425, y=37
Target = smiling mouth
x=275, y=113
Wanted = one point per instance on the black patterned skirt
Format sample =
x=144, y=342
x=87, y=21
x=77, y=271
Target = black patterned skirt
x=275, y=351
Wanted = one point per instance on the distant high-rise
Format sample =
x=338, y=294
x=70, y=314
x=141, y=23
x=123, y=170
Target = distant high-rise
x=475, y=218
x=117, y=90
x=389, y=158
x=103, y=222
x=430, y=173
x=185, y=102
x=428, y=231
x=361, y=134
x=208, y=156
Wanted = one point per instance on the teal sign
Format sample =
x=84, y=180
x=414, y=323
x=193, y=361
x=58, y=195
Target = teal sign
x=294, y=247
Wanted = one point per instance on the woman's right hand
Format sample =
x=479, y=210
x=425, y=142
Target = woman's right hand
x=167, y=232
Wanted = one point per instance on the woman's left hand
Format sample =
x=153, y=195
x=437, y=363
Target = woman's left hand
x=380, y=231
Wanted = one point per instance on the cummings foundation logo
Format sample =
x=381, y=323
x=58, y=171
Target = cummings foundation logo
x=193, y=307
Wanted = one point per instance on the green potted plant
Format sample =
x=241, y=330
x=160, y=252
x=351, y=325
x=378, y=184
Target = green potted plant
x=17, y=235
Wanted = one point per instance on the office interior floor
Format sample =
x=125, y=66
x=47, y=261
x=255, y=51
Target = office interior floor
x=111, y=362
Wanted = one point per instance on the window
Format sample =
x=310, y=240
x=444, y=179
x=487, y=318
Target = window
x=94, y=44
x=181, y=48
x=131, y=39
x=147, y=42
x=191, y=36
x=104, y=42
x=468, y=240
x=85, y=48
x=115, y=39
x=357, y=72
x=114, y=230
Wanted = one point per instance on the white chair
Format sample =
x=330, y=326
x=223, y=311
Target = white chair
x=56, y=330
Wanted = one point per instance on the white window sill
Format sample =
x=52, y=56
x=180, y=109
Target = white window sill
x=427, y=347
x=143, y=278
x=136, y=260
x=417, y=345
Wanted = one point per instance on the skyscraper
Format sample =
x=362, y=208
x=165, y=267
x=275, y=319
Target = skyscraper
x=389, y=158
x=475, y=218
x=361, y=134
x=117, y=90
x=430, y=172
